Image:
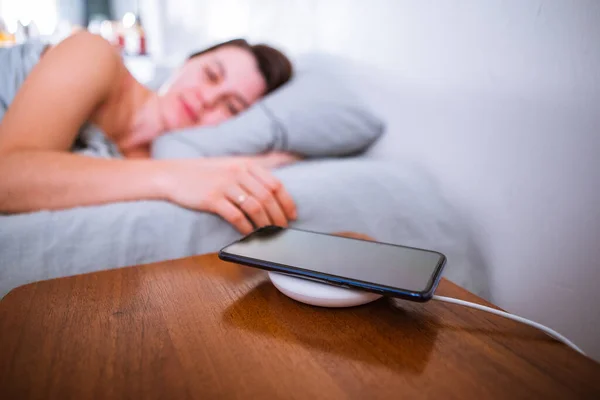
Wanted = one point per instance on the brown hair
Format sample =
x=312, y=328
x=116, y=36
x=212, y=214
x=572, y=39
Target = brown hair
x=274, y=66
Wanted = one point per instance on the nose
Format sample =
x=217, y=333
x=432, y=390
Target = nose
x=208, y=96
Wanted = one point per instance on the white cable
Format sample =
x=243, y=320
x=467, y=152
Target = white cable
x=525, y=321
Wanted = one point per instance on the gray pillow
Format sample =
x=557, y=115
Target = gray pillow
x=314, y=115
x=15, y=64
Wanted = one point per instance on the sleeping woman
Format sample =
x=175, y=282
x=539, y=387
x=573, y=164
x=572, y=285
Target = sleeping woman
x=83, y=82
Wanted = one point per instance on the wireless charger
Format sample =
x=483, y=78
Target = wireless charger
x=320, y=294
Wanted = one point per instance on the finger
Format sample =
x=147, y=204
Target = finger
x=230, y=213
x=249, y=205
x=276, y=159
x=281, y=194
x=355, y=235
x=263, y=195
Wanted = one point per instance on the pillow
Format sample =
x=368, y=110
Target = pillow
x=15, y=64
x=313, y=115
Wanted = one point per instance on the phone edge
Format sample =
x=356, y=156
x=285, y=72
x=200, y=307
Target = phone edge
x=420, y=297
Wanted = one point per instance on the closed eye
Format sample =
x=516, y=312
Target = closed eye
x=212, y=76
x=231, y=108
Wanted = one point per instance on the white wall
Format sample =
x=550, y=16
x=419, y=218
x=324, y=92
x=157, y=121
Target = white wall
x=500, y=98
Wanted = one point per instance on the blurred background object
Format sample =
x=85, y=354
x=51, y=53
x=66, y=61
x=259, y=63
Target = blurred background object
x=23, y=19
x=52, y=20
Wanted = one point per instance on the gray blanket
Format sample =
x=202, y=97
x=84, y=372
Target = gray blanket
x=392, y=202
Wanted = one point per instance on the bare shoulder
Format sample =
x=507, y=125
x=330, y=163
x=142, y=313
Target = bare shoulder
x=85, y=50
x=61, y=93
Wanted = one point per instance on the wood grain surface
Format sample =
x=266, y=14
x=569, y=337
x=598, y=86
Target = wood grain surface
x=204, y=329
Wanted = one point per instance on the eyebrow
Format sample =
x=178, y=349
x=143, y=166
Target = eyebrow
x=221, y=68
x=237, y=96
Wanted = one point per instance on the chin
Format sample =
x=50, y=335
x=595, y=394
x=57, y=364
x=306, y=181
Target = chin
x=172, y=123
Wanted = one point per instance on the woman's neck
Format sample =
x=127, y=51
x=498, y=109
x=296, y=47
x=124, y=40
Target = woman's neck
x=127, y=118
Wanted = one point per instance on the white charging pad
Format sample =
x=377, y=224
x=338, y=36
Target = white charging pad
x=320, y=294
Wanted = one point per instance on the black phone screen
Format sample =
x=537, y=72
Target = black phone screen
x=382, y=264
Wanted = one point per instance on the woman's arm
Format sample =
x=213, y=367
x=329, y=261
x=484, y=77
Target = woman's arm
x=60, y=94
x=58, y=97
x=33, y=180
x=38, y=172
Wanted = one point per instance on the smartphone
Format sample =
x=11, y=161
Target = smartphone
x=392, y=270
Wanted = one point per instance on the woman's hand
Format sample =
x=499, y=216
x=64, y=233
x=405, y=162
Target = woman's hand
x=275, y=159
x=239, y=189
x=269, y=160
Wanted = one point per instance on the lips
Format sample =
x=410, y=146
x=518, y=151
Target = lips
x=188, y=109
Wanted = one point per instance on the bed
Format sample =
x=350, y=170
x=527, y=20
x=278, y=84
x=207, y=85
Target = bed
x=393, y=201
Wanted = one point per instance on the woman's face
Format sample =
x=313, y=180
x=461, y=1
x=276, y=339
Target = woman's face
x=211, y=88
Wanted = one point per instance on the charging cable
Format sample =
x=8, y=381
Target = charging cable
x=522, y=320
